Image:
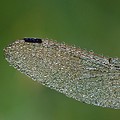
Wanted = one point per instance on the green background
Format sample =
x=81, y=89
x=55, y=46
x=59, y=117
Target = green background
x=90, y=24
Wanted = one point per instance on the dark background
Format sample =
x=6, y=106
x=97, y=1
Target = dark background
x=90, y=24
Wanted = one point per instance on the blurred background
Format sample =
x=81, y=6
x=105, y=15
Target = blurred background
x=90, y=24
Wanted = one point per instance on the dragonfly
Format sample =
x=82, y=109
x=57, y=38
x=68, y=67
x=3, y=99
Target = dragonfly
x=77, y=73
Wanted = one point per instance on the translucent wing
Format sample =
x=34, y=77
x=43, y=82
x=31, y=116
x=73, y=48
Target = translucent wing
x=79, y=74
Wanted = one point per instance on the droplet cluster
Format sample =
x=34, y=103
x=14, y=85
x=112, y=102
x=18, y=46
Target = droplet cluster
x=77, y=73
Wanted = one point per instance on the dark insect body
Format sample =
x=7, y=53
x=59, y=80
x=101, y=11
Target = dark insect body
x=33, y=40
